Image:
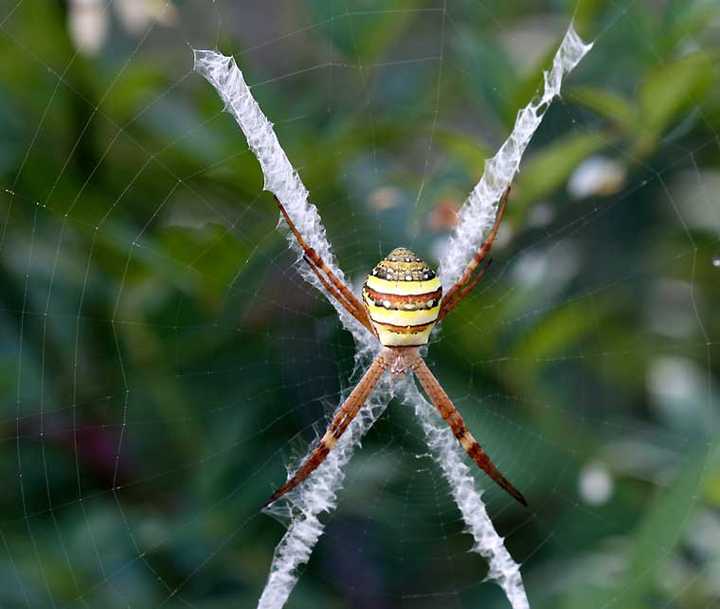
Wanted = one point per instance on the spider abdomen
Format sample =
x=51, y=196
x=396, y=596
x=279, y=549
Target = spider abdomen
x=402, y=295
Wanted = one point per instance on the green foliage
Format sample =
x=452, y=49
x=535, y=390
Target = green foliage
x=161, y=361
x=551, y=167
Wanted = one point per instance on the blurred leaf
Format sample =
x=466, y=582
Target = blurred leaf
x=363, y=34
x=148, y=261
x=671, y=87
x=211, y=251
x=609, y=105
x=688, y=19
x=660, y=531
x=491, y=86
x=654, y=539
x=10, y=151
x=585, y=14
x=551, y=167
x=658, y=534
x=558, y=331
x=136, y=90
x=464, y=148
x=712, y=487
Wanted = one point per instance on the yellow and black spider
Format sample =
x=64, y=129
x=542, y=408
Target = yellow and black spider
x=402, y=301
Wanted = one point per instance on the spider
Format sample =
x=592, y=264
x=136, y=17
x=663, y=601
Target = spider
x=401, y=302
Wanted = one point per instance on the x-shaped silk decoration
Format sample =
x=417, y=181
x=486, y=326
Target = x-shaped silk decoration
x=477, y=218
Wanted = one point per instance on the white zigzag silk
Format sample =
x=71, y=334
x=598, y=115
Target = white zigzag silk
x=319, y=492
x=477, y=215
x=280, y=177
x=488, y=543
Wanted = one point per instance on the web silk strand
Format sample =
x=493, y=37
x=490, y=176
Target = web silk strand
x=318, y=493
x=280, y=177
x=477, y=214
x=451, y=458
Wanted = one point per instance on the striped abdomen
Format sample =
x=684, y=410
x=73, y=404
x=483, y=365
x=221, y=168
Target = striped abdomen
x=402, y=295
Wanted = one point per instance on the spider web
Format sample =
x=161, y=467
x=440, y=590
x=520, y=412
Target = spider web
x=164, y=360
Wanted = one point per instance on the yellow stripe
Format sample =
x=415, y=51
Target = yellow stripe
x=393, y=339
x=402, y=318
x=402, y=288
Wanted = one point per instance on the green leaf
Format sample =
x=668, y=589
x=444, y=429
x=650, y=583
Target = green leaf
x=467, y=149
x=488, y=73
x=654, y=539
x=672, y=87
x=585, y=15
x=557, y=333
x=688, y=19
x=661, y=529
x=609, y=105
x=550, y=168
x=211, y=251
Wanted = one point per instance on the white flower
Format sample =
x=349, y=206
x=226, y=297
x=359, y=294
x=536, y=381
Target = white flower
x=88, y=24
x=595, y=484
x=596, y=176
x=136, y=15
x=89, y=20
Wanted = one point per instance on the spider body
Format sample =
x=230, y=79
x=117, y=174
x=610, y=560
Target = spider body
x=402, y=295
x=402, y=300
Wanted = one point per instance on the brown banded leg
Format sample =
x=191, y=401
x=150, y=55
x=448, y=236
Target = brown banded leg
x=453, y=418
x=343, y=417
x=329, y=287
x=466, y=283
x=449, y=305
x=328, y=279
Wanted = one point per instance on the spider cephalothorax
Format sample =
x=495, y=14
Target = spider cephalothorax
x=402, y=295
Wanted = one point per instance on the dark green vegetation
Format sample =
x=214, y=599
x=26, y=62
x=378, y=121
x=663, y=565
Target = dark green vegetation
x=148, y=308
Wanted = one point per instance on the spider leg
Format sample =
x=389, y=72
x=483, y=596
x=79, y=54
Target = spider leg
x=338, y=290
x=342, y=418
x=466, y=283
x=453, y=418
x=332, y=290
x=466, y=289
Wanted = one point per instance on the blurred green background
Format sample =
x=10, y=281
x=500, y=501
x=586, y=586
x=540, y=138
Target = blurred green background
x=162, y=360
